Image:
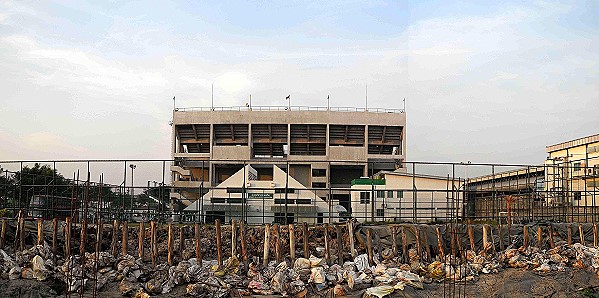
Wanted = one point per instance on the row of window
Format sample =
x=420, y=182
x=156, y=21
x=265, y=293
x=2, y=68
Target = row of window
x=365, y=195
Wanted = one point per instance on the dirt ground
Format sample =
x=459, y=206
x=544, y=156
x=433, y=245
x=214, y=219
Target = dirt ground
x=507, y=283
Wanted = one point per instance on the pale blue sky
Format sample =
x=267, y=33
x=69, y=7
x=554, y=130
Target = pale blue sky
x=485, y=81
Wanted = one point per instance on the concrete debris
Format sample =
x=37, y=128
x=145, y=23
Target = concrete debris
x=305, y=277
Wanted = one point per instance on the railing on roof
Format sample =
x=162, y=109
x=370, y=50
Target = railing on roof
x=286, y=108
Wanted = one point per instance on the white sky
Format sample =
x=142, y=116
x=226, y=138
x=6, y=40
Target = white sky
x=486, y=83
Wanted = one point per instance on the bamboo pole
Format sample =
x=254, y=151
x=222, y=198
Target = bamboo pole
x=169, y=244
x=339, y=245
x=369, y=246
x=40, y=231
x=458, y=240
x=418, y=246
x=292, y=243
x=125, y=231
x=234, y=238
x=267, y=245
x=140, y=244
x=219, y=249
x=305, y=236
x=350, y=231
x=581, y=233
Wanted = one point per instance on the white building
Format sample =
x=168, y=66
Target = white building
x=397, y=196
x=243, y=196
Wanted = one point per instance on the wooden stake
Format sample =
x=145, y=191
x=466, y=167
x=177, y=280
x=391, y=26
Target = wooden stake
x=67, y=237
x=197, y=243
x=550, y=232
x=404, y=245
x=3, y=234
x=305, y=235
x=169, y=244
x=244, y=254
x=471, y=238
x=40, y=231
x=418, y=247
x=427, y=247
x=267, y=245
x=54, y=235
x=181, y=241
x=581, y=233
x=485, y=239
x=525, y=232
x=21, y=227
x=339, y=245
x=140, y=244
x=125, y=231
x=500, y=232
x=350, y=231
x=539, y=237
x=393, y=240
x=452, y=240
x=219, y=249
x=459, y=242
x=278, y=253
x=595, y=235
x=115, y=237
x=440, y=243
x=327, y=256
x=492, y=238
x=99, y=232
x=369, y=246
x=153, y=243
x=292, y=243
x=234, y=238
x=83, y=237
x=569, y=234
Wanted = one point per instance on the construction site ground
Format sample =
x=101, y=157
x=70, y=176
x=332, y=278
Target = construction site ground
x=507, y=283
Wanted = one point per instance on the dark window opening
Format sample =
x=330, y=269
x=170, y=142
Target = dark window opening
x=319, y=172
x=280, y=218
x=364, y=197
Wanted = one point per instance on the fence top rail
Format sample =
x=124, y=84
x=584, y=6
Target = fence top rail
x=283, y=161
x=288, y=108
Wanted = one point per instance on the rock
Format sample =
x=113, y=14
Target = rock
x=379, y=291
x=301, y=263
x=317, y=276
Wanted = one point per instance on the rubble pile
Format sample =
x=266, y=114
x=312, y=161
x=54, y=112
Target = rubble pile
x=304, y=277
